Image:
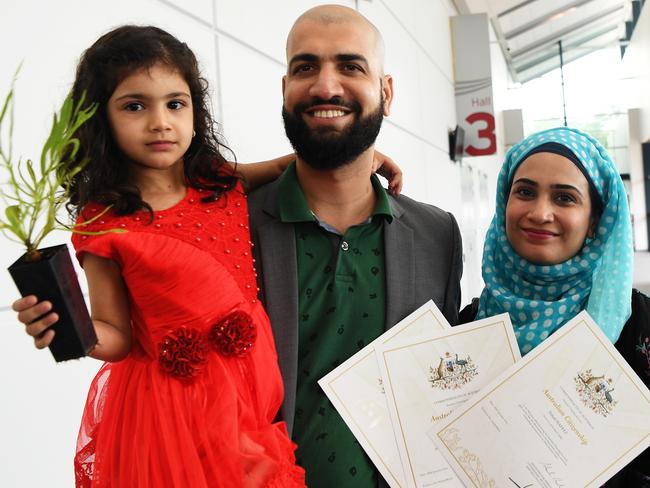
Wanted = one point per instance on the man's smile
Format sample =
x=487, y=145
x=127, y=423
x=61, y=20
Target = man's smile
x=327, y=111
x=328, y=114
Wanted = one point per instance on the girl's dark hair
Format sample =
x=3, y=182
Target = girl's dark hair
x=112, y=58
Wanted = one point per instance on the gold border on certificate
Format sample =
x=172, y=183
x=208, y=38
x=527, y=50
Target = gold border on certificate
x=501, y=326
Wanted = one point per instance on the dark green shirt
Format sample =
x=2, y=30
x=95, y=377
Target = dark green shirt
x=342, y=302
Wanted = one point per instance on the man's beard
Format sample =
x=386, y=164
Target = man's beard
x=327, y=149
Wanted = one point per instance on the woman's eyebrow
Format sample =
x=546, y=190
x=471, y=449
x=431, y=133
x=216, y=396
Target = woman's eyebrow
x=526, y=181
x=560, y=186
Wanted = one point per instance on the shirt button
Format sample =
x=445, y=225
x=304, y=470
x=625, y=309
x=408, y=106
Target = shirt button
x=345, y=246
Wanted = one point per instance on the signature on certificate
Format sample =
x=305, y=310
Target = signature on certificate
x=518, y=485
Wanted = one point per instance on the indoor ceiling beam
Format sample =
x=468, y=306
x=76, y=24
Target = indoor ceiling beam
x=516, y=7
x=556, y=36
x=532, y=74
x=544, y=18
x=567, y=47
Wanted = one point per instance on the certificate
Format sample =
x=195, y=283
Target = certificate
x=356, y=391
x=426, y=379
x=570, y=414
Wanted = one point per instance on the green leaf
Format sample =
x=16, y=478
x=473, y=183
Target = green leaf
x=6, y=105
x=13, y=214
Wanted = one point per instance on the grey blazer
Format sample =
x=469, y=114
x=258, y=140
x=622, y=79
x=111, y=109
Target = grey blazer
x=423, y=261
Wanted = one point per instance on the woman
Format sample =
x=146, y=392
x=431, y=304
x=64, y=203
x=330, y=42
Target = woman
x=561, y=242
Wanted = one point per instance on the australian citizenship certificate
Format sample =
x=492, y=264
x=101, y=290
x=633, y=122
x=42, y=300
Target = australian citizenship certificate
x=426, y=379
x=570, y=414
x=356, y=391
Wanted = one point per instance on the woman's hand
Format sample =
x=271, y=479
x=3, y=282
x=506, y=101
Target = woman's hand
x=386, y=167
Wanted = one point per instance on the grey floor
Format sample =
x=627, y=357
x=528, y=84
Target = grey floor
x=642, y=271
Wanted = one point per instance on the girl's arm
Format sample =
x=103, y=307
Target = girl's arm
x=260, y=173
x=109, y=305
x=109, y=311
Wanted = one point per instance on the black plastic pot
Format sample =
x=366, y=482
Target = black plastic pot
x=53, y=278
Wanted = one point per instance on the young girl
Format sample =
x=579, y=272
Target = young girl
x=191, y=386
x=191, y=401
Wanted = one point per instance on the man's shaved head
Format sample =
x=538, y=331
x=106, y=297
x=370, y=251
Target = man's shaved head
x=339, y=14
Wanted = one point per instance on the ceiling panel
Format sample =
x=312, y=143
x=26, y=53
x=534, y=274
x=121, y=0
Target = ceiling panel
x=530, y=31
x=539, y=66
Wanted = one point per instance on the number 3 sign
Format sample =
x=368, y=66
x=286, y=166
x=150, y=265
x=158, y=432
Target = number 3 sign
x=473, y=83
x=483, y=124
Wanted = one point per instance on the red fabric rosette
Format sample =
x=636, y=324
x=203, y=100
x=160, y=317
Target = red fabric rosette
x=183, y=353
x=234, y=335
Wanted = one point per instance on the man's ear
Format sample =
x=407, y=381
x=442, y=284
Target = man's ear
x=284, y=83
x=387, y=93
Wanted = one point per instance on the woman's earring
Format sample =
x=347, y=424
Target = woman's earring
x=193, y=134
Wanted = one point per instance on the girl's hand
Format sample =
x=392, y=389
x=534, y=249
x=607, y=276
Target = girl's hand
x=110, y=311
x=29, y=309
x=386, y=167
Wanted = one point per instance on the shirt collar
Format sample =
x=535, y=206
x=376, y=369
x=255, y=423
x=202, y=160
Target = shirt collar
x=293, y=204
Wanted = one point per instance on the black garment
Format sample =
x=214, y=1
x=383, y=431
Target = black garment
x=634, y=346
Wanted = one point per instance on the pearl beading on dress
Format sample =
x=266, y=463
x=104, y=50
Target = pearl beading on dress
x=228, y=241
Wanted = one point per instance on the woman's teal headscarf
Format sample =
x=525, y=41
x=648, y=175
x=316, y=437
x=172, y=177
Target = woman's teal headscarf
x=539, y=298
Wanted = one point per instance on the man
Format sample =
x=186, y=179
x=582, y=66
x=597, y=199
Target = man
x=339, y=259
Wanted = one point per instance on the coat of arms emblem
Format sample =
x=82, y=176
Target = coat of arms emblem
x=452, y=372
x=595, y=392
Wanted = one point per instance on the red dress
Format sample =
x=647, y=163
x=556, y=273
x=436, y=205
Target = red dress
x=193, y=404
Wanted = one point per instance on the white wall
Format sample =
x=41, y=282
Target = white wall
x=240, y=45
x=637, y=72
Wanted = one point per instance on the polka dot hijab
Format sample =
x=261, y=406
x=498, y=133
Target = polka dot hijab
x=540, y=298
